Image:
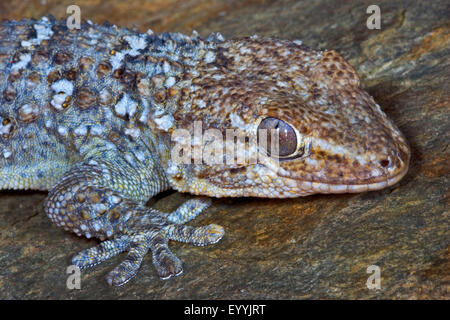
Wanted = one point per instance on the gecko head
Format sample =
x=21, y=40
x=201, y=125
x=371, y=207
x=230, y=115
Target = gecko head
x=331, y=136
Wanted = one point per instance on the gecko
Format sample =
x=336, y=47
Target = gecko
x=89, y=115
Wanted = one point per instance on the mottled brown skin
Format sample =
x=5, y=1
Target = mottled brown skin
x=353, y=145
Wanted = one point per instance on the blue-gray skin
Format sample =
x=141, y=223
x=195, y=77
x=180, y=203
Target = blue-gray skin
x=73, y=121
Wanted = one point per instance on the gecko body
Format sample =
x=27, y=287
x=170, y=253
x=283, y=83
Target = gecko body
x=89, y=115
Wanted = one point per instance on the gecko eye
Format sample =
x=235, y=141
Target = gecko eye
x=287, y=138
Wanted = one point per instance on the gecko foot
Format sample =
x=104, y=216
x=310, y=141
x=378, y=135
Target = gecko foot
x=151, y=232
x=80, y=203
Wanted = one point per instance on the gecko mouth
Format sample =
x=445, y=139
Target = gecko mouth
x=386, y=171
x=321, y=187
x=371, y=184
x=296, y=187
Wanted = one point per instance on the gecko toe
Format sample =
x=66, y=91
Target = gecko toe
x=95, y=255
x=168, y=267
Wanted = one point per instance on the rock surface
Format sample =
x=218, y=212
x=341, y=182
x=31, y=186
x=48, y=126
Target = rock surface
x=313, y=247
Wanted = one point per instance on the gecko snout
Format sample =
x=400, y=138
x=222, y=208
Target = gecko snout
x=399, y=163
x=392, y=166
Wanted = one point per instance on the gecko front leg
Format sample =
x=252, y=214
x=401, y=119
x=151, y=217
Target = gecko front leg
x=96, y=199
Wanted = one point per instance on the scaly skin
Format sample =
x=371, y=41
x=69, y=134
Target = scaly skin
x=89, y=115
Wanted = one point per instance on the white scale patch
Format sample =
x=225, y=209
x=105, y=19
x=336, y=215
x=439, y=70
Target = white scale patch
x=63, y=89
x=220, y=37
x=5, y=129
x=245, y=50
x=81, y=131
x=63, y=86
x=172, y=168
x=285, y=53
x=125, y=106
x=110, y=146
x=26, y=109
x=281, y=84
x=163, y=121
x=129, y=158
x=201, y=104
x=194, y=34
x=210, y=57
x=22, y=63
x=7, y=153
x=43, y=32
x=136, y=43
x=99, y=207
x=62, y=131
x=97, y=130
x=218, y=77
x=139, y=155
x=116, y=60
x=166, y=67
x=339, y=150
x=170, y=82
x=135, y=133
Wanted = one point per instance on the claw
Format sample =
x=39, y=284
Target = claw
x=212, y=233
x=168, y=266
x=166, y=263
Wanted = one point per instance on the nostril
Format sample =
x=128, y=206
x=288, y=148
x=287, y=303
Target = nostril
x=385, y=163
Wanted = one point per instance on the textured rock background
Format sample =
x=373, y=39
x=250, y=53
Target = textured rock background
x=313, y=247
